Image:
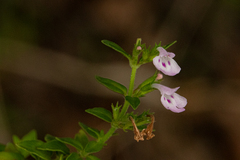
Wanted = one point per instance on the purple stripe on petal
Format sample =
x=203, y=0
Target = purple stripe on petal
x=169, y=63
x=164, y=65
x=168, y=100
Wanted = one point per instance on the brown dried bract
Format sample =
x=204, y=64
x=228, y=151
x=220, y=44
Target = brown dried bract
x=137, y=135
x=145, y=132
x=148, y=130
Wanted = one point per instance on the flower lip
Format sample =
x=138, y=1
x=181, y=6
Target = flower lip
x=171, y=100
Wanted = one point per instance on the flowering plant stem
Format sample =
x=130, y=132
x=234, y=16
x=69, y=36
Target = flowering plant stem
x=130, y=91
x=119, y=118
x=108, y=134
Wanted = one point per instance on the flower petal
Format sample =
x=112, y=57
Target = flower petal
x=171, y=55
x=166, y=102
x=177, y=110
x=163, y=52
x=170, y=104
x=166, y=65
x=156, y=62
x=164, y=89
x=175, y=69
x=180, y=100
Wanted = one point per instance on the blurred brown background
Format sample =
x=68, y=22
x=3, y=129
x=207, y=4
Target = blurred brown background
x=50, y=52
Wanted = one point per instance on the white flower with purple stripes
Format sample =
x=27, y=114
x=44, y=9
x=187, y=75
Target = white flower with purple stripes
x=171, y=100
x=165, y=62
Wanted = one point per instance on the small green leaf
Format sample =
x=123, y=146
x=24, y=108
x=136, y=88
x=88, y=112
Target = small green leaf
x=76, y=144
x=101, y=113
x=112, y=85
x=2, y=147
x=169, y=45
x=73, y=156
x=55, y=146
x=32, y=135
x=134, y=101
x=10, y=147
x=10, y=156
x=16, y=139
x=115, y=111
x=82, y=138
x=101, y=133
x=49, y=137
x=148, y=81
x=146, y=86
x=93, y=147
x=31, y=147
x=92, y=157
x=116, y=48
x=91, y=131
x=61, y=157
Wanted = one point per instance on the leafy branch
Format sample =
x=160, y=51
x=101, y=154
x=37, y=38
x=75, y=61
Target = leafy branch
x=57, y=147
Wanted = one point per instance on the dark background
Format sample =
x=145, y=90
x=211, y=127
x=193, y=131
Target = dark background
x=50, y=52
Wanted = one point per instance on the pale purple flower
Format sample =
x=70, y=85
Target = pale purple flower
x=165, y=62
x=171, y=100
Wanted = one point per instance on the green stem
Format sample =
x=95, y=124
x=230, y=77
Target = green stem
x=130, y=91
x=124, y=108
x=132, y=80
x=108, y=134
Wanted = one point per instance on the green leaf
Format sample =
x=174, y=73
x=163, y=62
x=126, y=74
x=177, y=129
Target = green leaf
x=93, y=147
x=10, y=156
x=91, y=131
x=16, y=139
x=116, y=48
x=49, y=137
x=101, y=133
x=82, y=138
x=2, y=147
x=76, y=144
x=31, y=147
x=101, y=113
x=115, y=111
x=112, y=85
x=10, y=147
x=73, y=156
x=92, y=157
x=148, y=81
x=61, y=157
x=146, y=86
x=169, y=45
x=134, y=101
x=32, y=135
x=55, y=146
